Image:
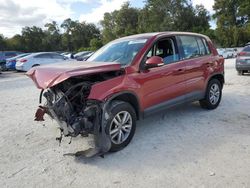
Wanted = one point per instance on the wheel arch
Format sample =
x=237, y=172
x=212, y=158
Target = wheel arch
x=129, y=97
x=219, y=77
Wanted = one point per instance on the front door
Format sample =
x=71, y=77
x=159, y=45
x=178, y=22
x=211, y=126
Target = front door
x=165, y=84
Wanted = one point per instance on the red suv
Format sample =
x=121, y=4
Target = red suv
x=126, y=80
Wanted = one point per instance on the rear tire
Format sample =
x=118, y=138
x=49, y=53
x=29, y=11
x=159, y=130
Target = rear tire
x=213, y=95
x=121, y=125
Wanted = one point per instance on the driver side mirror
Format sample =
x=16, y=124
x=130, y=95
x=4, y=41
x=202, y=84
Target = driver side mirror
x=153, y=62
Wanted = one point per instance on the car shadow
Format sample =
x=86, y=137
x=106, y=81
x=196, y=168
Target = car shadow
x=11, y=74
x=175, y=136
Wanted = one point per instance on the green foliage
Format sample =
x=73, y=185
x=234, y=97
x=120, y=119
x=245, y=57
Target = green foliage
x=2, y=42
x=95, y=44
x=157, y=15
x=120, y=23
x=232, y=16
x=232, y=22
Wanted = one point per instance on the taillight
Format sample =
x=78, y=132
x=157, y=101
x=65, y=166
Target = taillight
x=242, y=53
x=23, y=60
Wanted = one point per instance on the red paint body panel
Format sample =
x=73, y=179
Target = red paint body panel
x=48, y=76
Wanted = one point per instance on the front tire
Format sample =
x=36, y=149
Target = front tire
x=213, y=95
x=121, y=125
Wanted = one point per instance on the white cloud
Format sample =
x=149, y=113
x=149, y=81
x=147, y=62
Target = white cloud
x=97, y=14
x=15, y=14
x=208, y=4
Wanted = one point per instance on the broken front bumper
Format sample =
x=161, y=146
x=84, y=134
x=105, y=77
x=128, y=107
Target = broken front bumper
x=93, y=121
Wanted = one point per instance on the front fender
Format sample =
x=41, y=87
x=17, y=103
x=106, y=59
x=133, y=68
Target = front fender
x=104, y=90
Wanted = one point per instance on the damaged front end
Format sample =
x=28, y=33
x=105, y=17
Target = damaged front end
x=66, y=88
x=68, y=105
x=70, y=109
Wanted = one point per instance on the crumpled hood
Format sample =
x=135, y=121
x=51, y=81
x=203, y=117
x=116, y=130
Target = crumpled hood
x=51, y=75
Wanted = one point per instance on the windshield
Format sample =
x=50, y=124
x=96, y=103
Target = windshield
x=122, y=52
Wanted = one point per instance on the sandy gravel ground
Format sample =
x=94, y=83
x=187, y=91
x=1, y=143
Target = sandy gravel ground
x=182, y=147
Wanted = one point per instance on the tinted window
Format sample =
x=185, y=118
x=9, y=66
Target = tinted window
x=202, y=49
x=246, y=49
x=43, y=56
x=10, y=54
x=190, y=47
x=194, y=46
x=206, y=46
x=56, y=56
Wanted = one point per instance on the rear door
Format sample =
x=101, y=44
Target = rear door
x=198, y=59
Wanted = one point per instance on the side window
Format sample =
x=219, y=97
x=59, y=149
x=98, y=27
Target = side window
x=206, y=46
x=150, y=53
x=201, y=45
x=166, y=50
x=56, y=56
x=43, y=56
x=190, y=47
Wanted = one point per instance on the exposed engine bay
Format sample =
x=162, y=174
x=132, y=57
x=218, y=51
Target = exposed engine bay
x=67, y=103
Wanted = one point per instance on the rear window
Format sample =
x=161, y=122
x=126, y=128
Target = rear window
x=10, y=54
x=246, y=49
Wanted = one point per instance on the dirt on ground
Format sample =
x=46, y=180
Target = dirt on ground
x=185, y=146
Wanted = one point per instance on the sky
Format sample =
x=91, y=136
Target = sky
x=16, y=14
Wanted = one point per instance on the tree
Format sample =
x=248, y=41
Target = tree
x=232, y=22
x=16, y=43
x=95, y=44
x=33, y=39
x=2, y=43
x=169, y=15
x=52, y=39
x=78, y=35
x=120, y=23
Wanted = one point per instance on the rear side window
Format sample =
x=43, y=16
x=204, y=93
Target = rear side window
x=206, y=46
x=202, y=49
x=194, y=47
x=190, y=47
x=57, y=56
x=43, y=56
